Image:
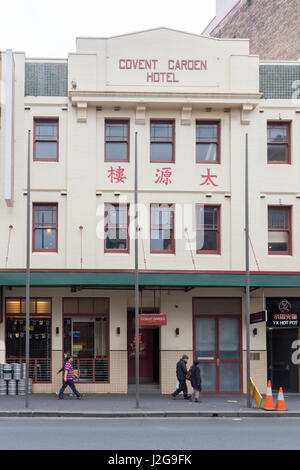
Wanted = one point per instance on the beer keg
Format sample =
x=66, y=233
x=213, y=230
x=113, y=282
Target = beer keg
x=12, y=387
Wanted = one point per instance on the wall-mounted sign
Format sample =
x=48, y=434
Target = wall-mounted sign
x=158, y=71
x=283, y=312
x=258, y=317
x=153, y=320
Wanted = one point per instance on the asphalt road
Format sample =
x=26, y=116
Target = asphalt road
x=149, y=433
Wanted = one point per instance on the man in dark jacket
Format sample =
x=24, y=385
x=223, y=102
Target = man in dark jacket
x=181, y=372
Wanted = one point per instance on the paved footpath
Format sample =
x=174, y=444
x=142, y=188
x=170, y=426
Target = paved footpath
x=155, y=405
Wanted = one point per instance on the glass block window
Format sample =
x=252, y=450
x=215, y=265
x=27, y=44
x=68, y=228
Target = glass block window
x=276, y=81
x=46, y=79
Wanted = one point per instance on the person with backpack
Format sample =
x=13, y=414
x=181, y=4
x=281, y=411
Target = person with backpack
x=196, y=381
x=69, y=379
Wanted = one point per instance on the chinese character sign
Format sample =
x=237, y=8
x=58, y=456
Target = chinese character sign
x=208, y=179
x=163, y=176
x=116, y=175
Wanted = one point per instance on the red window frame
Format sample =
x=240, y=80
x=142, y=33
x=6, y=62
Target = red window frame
x=286, y=144
x=109, y=250
x=172, y=229
x=163, y=121
x=218, y=151
x=36, y=139
x=218, y=229
x=289, y=230
x=34, y=208
x=106, y=139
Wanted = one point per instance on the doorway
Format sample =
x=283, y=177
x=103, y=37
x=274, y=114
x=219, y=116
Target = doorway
x=148, y=348
x=218, y=345
x=281, y=369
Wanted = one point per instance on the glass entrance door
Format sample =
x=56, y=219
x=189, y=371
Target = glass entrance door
x=218, y=345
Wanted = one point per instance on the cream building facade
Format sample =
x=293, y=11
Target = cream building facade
x=190, y=100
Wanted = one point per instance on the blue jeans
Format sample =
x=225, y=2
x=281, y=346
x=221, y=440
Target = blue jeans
x=69, y=383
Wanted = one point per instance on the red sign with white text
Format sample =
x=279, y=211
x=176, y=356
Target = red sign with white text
x=153, y=320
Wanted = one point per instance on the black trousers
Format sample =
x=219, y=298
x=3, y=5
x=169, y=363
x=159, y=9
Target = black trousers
x=182, y=388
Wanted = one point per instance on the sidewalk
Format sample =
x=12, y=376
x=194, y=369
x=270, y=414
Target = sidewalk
x=111, y=405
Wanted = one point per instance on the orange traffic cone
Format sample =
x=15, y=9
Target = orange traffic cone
x=280, y=405
x=269, y=398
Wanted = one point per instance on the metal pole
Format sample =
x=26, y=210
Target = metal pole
x=137, y=307
x=27, y=277
x=247, y=274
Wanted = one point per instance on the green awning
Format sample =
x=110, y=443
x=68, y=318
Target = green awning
x=126, y=279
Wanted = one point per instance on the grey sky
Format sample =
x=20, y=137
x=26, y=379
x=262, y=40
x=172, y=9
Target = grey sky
x=47, y=28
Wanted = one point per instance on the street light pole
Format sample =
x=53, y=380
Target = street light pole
x=137, y=307
x=247, y=273
x=27, y=277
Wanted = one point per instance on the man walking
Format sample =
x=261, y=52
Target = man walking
x=181, y=372
x=69, y=379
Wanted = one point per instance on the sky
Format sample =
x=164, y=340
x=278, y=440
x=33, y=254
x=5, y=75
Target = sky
x=48, y=28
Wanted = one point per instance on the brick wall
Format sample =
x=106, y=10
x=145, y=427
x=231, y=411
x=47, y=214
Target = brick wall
x=273, y=27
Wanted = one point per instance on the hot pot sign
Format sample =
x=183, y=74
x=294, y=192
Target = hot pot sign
x=157, y=72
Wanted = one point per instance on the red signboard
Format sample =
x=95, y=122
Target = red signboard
x=153, y=320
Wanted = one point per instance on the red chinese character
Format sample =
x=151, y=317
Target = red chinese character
x=163, y=176
x=116, y=175
x=208, y=179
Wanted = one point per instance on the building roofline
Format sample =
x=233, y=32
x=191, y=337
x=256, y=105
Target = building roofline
x=223, y=18
x=159, y=29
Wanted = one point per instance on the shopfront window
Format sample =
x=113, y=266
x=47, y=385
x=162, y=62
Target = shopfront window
x=39, y=335
x=86, y=337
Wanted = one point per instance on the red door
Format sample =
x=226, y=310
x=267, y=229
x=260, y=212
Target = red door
x=146, y=352
x=218, y=346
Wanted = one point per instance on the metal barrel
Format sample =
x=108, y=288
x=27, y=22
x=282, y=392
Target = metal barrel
x=3, y=387
x=12, y=387
x=17, y=371
x=21, y=386
x=7, y=371
x=30, y=385
x=1, y=371
x=23, y=369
